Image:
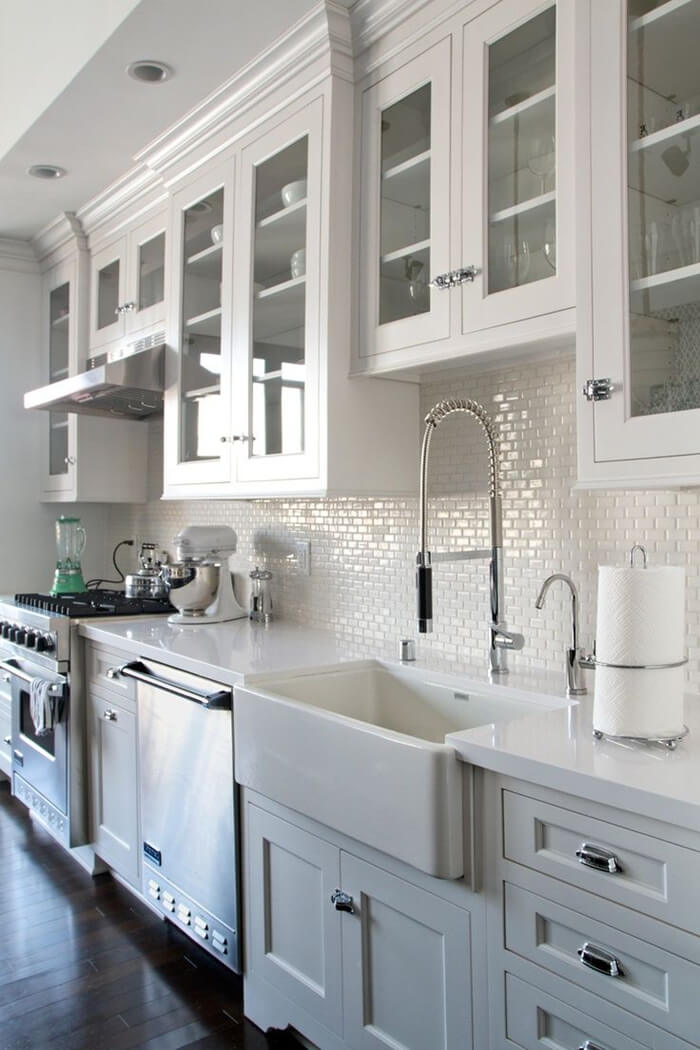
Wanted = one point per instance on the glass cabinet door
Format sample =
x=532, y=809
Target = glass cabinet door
x=522, y=239
x=405, y=204
x=652, y=352
x=279, y=318
x=108, y=283
x=202, y=420
x=60, y=441
x=146, y=292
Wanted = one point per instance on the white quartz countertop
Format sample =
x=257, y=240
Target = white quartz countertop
x=552, y=748
x=557, y=749
x=226, y=652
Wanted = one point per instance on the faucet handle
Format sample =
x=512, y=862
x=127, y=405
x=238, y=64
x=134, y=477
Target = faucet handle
x=407, y=650
x=504, y=639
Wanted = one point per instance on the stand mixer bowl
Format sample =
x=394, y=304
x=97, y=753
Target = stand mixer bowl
x=192, y=586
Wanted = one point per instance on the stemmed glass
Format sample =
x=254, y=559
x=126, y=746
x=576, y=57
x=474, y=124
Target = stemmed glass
x=542, y=158
x=517, y=259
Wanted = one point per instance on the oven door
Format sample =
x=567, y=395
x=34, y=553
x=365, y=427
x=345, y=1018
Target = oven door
x=41, y=760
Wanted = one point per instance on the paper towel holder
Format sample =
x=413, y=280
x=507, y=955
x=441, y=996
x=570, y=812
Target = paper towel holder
x=669, y=742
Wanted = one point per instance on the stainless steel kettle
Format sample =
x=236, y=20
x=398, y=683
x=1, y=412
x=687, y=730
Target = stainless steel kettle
x=147, y=582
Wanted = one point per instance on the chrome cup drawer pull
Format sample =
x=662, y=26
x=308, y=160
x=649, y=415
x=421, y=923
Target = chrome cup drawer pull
x=588, y=1045
x=342, y=901
x=110, y=715
x=598, y=858
x=600, y=960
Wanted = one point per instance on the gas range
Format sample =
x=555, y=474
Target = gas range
x=41, y=623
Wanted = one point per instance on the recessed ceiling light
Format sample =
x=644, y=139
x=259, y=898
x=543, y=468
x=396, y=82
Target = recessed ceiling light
x=148, y=71
x=46, y=171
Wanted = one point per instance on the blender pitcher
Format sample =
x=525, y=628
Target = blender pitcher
x=70, y=543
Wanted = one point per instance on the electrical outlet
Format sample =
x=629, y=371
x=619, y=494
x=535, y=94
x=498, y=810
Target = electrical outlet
x=302, y=551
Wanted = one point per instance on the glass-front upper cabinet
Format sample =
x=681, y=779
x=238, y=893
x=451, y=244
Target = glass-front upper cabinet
x=405, y=204
x=646, y=233
x=517, y=100
x=128, y=283
x=59, y=455
x=198, y=401
x=276, y=303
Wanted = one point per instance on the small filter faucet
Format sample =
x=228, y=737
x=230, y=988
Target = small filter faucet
x=260, y=597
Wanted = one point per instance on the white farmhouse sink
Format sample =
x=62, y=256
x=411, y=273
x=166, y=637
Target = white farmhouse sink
x=361, y=748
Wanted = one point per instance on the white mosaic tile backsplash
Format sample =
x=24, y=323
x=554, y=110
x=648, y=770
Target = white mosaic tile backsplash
x=363, y=550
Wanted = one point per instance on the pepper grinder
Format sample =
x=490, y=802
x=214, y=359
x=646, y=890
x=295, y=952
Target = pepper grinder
x=260, y=598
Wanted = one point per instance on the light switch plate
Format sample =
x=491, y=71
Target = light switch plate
x=302, y=550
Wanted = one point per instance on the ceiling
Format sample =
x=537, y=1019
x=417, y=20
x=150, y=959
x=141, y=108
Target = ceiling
x=100, y=118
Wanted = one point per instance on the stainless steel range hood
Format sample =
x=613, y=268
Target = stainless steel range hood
x=130, y=387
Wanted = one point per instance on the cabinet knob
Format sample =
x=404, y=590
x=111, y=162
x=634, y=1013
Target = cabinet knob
x=342, y=901
x=110, y=715
x=7, y=739
x=598, y=858
x=70, y=461
x=118, y=310
x=129, y=307
x=240, y=437
x=112, y=672
x=588, y=1045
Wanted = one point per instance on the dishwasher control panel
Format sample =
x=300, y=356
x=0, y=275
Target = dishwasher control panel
x=209, y=932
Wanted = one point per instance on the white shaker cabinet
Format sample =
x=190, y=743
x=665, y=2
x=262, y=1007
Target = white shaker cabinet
x=128, y=282
x=467, y=189
x=259, y=402
x=348, y=953
x=113, y=791
x=83, y=458
x=639, y=269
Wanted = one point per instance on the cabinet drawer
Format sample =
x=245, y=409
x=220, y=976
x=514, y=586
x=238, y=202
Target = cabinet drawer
x=653, y=876
x=653, y=984
x=100, y=662
x=538, y=1021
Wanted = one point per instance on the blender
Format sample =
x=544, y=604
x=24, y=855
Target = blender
x=70, y=543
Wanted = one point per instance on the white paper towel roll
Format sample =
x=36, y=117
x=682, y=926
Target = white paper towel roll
x=645, y=704
x=641, y=615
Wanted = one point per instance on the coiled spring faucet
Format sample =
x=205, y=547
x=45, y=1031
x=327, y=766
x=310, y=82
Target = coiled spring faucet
x=500, y=639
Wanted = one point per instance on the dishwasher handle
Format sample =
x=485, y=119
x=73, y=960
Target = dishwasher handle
x=221, y=700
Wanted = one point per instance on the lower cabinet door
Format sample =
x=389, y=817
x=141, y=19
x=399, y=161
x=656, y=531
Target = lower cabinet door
x=294, y=930
x=406, y=964
x=113, y=786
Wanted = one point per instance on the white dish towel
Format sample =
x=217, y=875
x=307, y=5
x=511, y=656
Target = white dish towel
x=42, y=706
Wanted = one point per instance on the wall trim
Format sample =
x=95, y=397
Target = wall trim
x=17, y=255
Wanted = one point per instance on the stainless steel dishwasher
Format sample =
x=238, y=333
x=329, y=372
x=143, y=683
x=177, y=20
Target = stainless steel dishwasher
x=188, y=804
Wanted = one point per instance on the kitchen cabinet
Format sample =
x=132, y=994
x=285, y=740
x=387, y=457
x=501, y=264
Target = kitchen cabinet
x=128, y=281
x=347, y=952
x=639, y=268
x=259, y=402
x=113, y=786
x=467, y=200
x=83, y=458
x=594, y=934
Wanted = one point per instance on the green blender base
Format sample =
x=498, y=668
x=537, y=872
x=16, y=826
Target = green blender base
x=68, y=582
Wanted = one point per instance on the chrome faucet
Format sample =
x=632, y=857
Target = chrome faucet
x=574, y=655
x=500, y=639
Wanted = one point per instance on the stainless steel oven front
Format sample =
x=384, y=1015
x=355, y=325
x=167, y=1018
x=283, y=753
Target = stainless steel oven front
x=40, y=761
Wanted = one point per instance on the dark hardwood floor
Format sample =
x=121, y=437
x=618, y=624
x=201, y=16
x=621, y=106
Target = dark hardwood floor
x=84, y=965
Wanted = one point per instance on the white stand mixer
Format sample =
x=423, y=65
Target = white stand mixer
x=199, y=582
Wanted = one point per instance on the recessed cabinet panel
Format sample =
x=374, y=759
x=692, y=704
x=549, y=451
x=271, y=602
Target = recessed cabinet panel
x=406, y=964
x=113, y=785
x=518, y=87
x=107, y=294
x=151, y=272
x=60, y=323
x=405, y=222
x=59, y=363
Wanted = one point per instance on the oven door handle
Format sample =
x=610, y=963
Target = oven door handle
x=12, y=668
x=222, y=699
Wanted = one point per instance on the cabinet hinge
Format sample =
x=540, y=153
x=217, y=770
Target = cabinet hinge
x=454, y=277
x=598, y=389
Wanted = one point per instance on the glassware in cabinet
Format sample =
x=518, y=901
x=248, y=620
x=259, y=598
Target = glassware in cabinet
x=405, y=215
x=518, y=98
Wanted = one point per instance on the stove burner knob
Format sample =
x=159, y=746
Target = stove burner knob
x=5, y=630
x=31, y=640
x=41, y=644
x=20, y=636
x=49, y=643
x=12, y=633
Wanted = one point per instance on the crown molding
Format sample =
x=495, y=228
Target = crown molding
x=18, y=256
x=321, y=37
x=373, y=19
x=64, y=230
x=139, y=184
